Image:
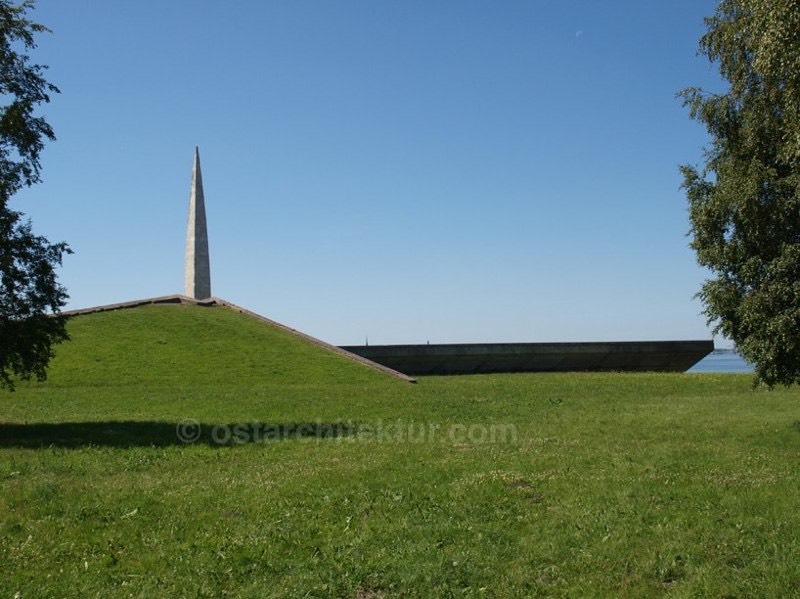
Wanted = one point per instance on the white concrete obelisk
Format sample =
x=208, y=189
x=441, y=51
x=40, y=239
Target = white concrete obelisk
x=197, y=273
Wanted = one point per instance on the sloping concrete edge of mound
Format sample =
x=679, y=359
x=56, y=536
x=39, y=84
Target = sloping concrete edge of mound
x=215, y=301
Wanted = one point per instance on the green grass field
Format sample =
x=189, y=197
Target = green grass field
x=311, y=476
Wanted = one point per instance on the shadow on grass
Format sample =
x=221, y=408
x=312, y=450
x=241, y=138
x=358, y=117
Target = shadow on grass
x=73, y=435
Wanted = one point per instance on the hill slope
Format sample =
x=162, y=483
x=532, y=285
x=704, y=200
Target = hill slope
x=180, y=345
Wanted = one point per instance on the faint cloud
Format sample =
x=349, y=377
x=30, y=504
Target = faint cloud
x=579, y=33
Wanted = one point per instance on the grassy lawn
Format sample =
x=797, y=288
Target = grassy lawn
x=311, y=476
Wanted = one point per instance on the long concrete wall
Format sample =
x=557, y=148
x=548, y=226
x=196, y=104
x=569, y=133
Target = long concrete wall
x=650, y=356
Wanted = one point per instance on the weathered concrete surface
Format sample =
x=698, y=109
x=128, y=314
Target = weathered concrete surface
x=197, y=270
x=163, y=299
x=651, y=356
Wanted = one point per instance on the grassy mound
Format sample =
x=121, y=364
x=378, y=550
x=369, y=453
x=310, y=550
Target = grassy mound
x=190, y=346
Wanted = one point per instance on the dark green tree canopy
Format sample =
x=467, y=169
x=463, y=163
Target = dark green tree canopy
x=744, y=203
x=30, y=295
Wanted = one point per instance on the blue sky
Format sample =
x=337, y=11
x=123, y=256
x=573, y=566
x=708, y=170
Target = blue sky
x=410, y=171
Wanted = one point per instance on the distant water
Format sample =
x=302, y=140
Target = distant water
x=722, y=360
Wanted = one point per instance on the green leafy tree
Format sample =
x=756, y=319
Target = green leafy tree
x=745, y=202
x=30, y=295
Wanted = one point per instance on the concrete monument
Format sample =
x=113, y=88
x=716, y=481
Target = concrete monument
x=197, y=272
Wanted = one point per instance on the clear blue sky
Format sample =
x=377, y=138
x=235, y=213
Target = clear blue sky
x=410, y=170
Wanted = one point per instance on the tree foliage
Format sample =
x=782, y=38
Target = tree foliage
x=30, y=295
x=744, y=203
